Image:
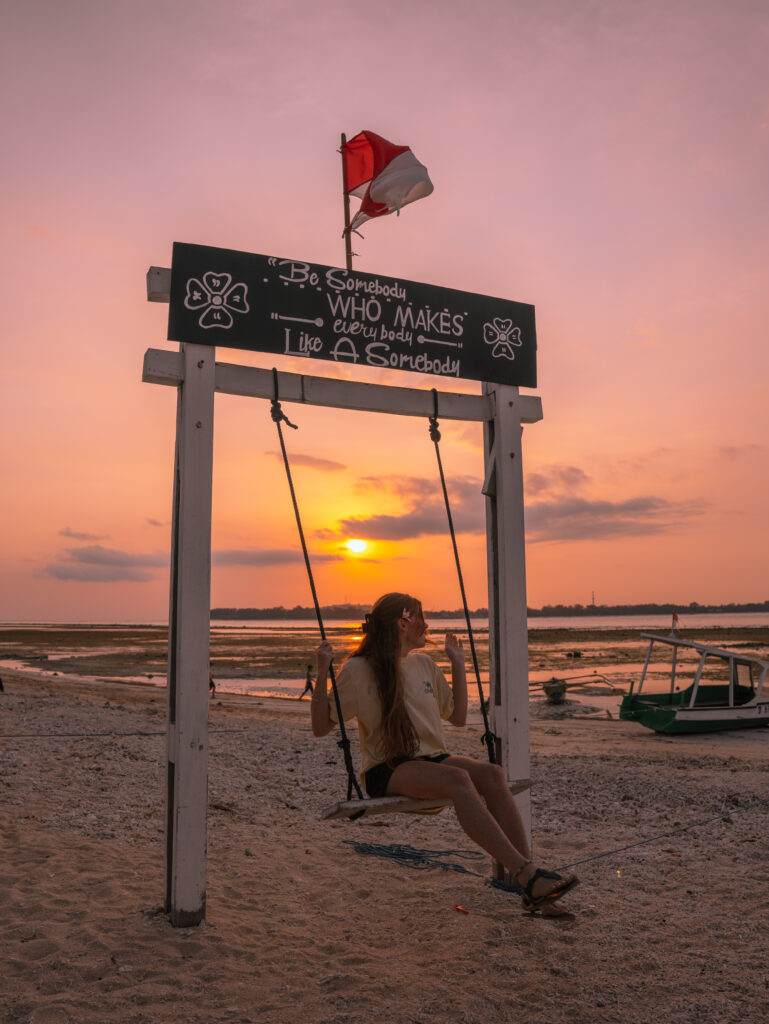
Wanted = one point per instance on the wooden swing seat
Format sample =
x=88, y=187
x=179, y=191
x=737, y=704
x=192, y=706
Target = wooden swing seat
x=399, y=805
x=383, y=805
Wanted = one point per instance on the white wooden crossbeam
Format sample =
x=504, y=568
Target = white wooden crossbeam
x=159, y=284
x=164, y=367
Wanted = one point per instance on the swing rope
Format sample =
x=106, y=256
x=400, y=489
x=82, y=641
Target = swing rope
x=435, y=436
x=344, y=743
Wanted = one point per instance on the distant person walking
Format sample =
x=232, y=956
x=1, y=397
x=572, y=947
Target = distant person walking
x=307, y=683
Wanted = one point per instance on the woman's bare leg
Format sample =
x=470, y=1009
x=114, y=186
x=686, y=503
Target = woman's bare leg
x=428, y=780
x=491, y=783
x=425, y=779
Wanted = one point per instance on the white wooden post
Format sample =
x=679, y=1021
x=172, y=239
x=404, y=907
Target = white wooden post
x=508, y=635
x=188, y=641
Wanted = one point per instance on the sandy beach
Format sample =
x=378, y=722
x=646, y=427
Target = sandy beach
x=302, y=927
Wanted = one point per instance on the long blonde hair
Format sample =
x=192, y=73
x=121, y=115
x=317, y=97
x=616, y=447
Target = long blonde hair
x=381, y=646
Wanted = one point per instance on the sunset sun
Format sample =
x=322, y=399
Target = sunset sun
x=356, y=547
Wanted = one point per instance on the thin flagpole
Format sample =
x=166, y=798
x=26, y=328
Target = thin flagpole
x=347, y=232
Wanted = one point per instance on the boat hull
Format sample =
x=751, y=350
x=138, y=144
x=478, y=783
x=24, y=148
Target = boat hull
x=673, y=719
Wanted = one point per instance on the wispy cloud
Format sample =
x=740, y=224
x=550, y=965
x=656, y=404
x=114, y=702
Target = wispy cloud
x=76, y=535
x=556, y=478
x=97, y=564
x=561, y=513
x=424, y=512
x=157, y=522
x=95, y=554
x=735, y=451
x=97, y=573
x=573, y=518
x=404, y=527
x=311, y=461
x=276, y=556
x=415, y=489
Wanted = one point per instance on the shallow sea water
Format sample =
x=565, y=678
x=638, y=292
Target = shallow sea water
x=599, y=660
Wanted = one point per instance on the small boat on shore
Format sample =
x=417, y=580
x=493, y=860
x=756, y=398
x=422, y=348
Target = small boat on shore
x=723, y=689
x=556, y=688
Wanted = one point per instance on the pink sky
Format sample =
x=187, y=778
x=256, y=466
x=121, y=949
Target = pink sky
x=605, y=161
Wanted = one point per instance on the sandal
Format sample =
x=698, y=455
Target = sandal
x=531, y=902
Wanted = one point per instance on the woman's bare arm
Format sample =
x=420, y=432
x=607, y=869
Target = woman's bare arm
x=319, y=710
x=456, y=654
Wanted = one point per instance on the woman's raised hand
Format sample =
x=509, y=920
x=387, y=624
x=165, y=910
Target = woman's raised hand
x=325, y=655
x=455, y=649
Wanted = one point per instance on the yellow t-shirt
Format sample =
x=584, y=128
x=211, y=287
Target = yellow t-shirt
x=427, y=695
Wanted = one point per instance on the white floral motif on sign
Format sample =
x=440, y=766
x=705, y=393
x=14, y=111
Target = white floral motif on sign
x=217, y=300
x=502, y=335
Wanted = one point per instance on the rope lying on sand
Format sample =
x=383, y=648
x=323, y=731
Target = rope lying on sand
x=422, y=859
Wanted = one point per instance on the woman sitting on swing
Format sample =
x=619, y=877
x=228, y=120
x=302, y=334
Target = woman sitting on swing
x=399, y=699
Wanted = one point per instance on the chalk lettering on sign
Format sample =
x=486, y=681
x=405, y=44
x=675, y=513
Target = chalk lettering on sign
x=350, y=306
x=287, y=350
x=339, y=315
x=335, y=279
x=437, y=341
x=346, y=281
x=309, y=344
x=379, y=354
x=437, y=322
x=216, y=300
x=305, y=345
x=502, y=335
x=345, y=350
x=354, y=327
x=406, y=337
x=295, y=272
x=316, y=321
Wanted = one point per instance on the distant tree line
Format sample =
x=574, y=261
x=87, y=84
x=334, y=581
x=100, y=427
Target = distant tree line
x=330, y=611
x=693, y=608
x=357, y=611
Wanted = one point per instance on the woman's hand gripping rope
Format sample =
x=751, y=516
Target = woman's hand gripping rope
x=319, y=707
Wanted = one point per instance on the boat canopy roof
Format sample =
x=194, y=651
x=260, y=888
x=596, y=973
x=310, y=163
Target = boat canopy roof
x=720, y=652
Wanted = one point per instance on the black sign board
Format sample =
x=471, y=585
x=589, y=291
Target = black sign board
x=293, y=308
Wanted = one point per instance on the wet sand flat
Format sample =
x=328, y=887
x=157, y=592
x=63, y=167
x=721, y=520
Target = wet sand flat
x=258, y=652
x=302, y=927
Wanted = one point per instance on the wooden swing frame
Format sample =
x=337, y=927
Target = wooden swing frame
x=197, y=377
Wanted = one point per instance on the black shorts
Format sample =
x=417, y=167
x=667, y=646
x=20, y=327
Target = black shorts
x=377, y=779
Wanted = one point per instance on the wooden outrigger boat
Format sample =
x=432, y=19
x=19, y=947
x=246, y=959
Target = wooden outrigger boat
x=726, y=691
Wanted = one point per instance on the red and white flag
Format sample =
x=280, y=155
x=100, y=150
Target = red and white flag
x=384, y=176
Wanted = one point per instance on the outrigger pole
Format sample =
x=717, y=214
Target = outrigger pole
x=347, y=231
